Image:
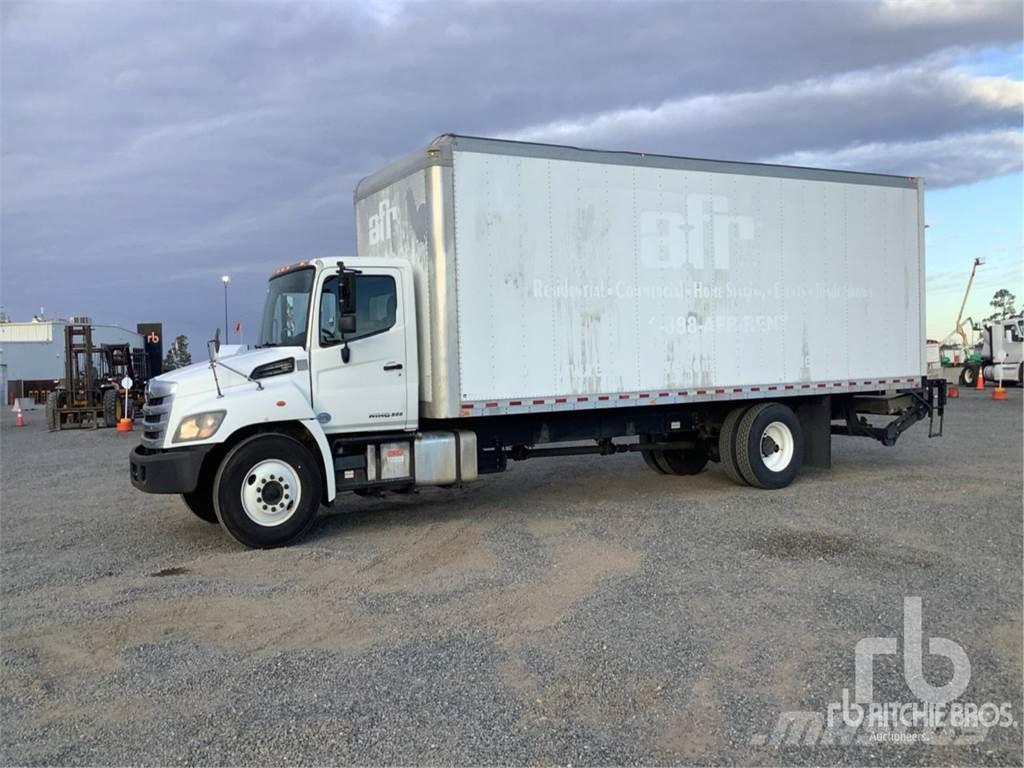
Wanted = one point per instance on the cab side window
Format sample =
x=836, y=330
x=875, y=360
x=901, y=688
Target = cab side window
x=376, y=308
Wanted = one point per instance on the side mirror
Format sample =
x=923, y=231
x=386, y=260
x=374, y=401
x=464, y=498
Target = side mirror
x=346, y=315
x=213, y=345
x=346, y=293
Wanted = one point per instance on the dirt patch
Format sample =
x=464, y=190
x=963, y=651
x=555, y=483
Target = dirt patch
x=576, y=569
x=797, y=544
x=251, y=625
x=175, y=571
x=1008, y=642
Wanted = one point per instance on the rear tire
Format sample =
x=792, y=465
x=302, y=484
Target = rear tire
x=727, y=445
x=52, y=414
x=968, y=376
x=110, y=407
x=685, y=462
x=267, y=491
x=769, y=446
x=653, y=459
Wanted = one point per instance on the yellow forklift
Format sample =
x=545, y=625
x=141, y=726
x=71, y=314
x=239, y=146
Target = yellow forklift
x=90, y=395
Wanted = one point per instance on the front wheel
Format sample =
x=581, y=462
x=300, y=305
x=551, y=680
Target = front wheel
x=267, y=491
x=200, y=502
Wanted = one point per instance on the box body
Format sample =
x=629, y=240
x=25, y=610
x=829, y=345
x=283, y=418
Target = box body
x=552, y=278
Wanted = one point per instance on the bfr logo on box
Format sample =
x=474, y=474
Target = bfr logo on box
x=380, y=223
x=700, y=238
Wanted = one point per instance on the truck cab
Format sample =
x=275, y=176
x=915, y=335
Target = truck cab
x=1002, y=351
x=359, y=361
x=251, y=441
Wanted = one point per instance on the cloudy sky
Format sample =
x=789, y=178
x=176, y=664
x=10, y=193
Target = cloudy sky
x=148, y=147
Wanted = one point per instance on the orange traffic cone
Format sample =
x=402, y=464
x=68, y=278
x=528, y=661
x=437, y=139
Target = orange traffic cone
x=19, y=418
x=999, y=393
x=124, y=425
x=979, y=384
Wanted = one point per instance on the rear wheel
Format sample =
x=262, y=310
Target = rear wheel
x=969, y=376
x=267, y=491
x=110, y=408
x=52, y=414
x=653, y=459
x=727, y=444
x=769, y=446
x=685, y=462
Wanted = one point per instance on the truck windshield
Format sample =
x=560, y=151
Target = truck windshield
x=286, y=310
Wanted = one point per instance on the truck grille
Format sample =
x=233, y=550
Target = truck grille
x=156, y=412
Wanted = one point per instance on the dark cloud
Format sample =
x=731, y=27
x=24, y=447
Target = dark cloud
x=148, y=147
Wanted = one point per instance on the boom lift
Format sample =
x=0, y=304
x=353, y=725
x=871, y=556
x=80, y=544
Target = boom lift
x=959, y=326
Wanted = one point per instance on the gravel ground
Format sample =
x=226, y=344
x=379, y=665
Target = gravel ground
x=577, y=610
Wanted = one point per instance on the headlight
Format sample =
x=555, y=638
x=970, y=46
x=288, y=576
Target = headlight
x=198, y=426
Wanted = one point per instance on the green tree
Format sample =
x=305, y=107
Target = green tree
x=177, y=355
x=1003, y=304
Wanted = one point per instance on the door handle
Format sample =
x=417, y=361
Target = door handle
x=393, y=367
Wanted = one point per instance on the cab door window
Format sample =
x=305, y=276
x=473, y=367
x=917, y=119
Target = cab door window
x=376, y=308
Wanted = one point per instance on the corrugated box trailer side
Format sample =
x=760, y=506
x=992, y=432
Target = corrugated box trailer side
x=559, y=278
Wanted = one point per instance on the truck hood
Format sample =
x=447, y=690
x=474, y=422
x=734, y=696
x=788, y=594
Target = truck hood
x=196, y=378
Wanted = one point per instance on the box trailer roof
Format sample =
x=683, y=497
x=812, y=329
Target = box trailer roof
x=439, y=152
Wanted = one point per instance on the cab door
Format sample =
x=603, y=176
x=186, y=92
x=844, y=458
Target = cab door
x=371, y=391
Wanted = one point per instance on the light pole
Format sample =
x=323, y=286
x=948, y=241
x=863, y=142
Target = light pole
x=225, y=279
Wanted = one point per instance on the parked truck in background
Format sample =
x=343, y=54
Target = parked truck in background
x=510, y=300
x=1000, y=359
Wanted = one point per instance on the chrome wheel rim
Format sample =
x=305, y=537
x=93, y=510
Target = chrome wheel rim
x=271, y=493
x=777, y=446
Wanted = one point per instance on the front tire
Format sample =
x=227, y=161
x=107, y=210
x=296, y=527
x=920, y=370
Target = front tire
x=968, y=376
x=769, y=446
x=267, y=491
x=200, y=501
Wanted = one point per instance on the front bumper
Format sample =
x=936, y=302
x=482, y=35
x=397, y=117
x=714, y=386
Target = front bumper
x=173, y=471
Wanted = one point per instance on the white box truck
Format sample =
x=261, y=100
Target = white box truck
x=510, y=300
